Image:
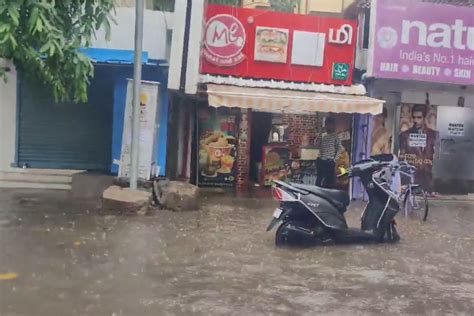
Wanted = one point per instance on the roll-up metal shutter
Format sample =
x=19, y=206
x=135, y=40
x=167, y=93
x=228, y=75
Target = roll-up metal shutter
x=66, y=135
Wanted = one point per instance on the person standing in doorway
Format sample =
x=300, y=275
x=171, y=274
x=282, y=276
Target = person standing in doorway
x=330, y=150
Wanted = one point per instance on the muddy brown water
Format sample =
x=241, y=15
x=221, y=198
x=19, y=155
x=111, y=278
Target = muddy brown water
x=72, y=260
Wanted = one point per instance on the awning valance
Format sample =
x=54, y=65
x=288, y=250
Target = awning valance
x=286, y=101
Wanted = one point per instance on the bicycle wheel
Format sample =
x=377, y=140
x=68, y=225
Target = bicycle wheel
x=416, y=203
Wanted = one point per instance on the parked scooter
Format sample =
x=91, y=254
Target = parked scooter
x=311, y=215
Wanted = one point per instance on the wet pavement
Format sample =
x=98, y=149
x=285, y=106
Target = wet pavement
x=71, y=260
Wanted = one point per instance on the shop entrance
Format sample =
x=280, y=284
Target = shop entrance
x=283, y=147
x=66, y=135
x=260, y=130
x=452, y=165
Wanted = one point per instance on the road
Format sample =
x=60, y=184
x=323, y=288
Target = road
x=69, y=259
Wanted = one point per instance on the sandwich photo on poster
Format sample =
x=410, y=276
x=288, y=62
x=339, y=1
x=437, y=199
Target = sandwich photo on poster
x=271, y=44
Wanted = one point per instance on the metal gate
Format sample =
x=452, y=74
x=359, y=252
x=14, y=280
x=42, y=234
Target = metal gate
x=66, y=135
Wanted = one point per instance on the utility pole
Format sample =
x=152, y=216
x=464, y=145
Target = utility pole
x=137, y=78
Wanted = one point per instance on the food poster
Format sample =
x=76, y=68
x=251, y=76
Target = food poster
x=217, y=147
x=276, y=163
x=344, y=131
x=417, y=140
x=271, y=44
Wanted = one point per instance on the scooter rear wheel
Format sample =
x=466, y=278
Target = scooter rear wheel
x=295, y=233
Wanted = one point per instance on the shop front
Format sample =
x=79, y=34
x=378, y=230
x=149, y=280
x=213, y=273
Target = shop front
x=422, y=67
x=263, y=135
x=265, y=83
x=87, y=136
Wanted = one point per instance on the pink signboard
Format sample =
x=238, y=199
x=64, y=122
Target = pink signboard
x=422, y=41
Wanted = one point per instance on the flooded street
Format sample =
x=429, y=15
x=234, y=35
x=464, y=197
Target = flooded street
x=71, y=260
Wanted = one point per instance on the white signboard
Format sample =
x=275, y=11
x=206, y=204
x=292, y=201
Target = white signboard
x=148, y=126
x=456, y=129
x=417, y=140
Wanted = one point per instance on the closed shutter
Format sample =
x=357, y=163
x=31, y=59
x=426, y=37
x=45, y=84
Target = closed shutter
x=66, y=135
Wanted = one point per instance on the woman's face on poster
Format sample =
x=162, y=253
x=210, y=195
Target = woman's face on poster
x=431, y=121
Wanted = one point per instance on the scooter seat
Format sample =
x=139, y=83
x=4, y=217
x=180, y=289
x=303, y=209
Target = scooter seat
x=337, y=197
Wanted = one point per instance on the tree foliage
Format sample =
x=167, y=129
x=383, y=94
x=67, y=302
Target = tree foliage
x=283, y=5
x=43, y=38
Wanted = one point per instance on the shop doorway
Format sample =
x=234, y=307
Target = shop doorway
x=344, y=124
x=452, y=165
x=260, y=130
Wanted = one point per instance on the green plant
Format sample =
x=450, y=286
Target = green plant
x=277, y=5
x=43, y=40
x=284, y=5
x=168, y=5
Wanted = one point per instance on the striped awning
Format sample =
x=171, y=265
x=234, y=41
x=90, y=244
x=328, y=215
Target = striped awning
x=286, y=101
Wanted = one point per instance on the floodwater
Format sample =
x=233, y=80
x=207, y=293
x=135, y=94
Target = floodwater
x=71, y=260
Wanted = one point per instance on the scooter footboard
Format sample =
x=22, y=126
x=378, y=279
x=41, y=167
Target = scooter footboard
x=388, y=214
x=378, y=215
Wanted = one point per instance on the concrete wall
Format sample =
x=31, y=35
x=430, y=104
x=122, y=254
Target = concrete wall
x=444, y=98
x=156, y=39
x=415, y=92
x=8, y=98
x=305, y=6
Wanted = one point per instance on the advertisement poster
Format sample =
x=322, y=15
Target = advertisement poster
x=276, y=160
x=217, y=147
x=148, y=113
x=428, y=44
x=381, y=134
x=271, y=44
x=418, y=137
x=344, y=131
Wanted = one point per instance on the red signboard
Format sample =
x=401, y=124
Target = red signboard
x=260, y=44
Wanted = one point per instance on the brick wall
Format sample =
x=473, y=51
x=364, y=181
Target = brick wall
x=300, y=125
x=243, y=151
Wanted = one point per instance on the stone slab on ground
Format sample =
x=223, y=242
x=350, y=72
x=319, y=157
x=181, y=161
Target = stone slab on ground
x=90, y=185
x=126, y=200
x=177, y=196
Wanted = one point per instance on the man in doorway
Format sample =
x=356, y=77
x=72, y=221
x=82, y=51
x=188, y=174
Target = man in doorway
x=330, y=150
x=417, y=145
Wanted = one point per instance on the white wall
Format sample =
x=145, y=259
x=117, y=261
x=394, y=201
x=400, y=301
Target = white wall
x=155, y=28
x=7, y=117
x=177, y=45
x=415, y=92
x=444, y=98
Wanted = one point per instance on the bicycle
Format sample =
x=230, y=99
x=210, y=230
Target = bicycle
x=415, y=200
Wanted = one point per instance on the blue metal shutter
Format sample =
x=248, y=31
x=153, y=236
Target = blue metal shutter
x=66, y=135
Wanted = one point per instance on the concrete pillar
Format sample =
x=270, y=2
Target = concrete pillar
x=8, y=115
